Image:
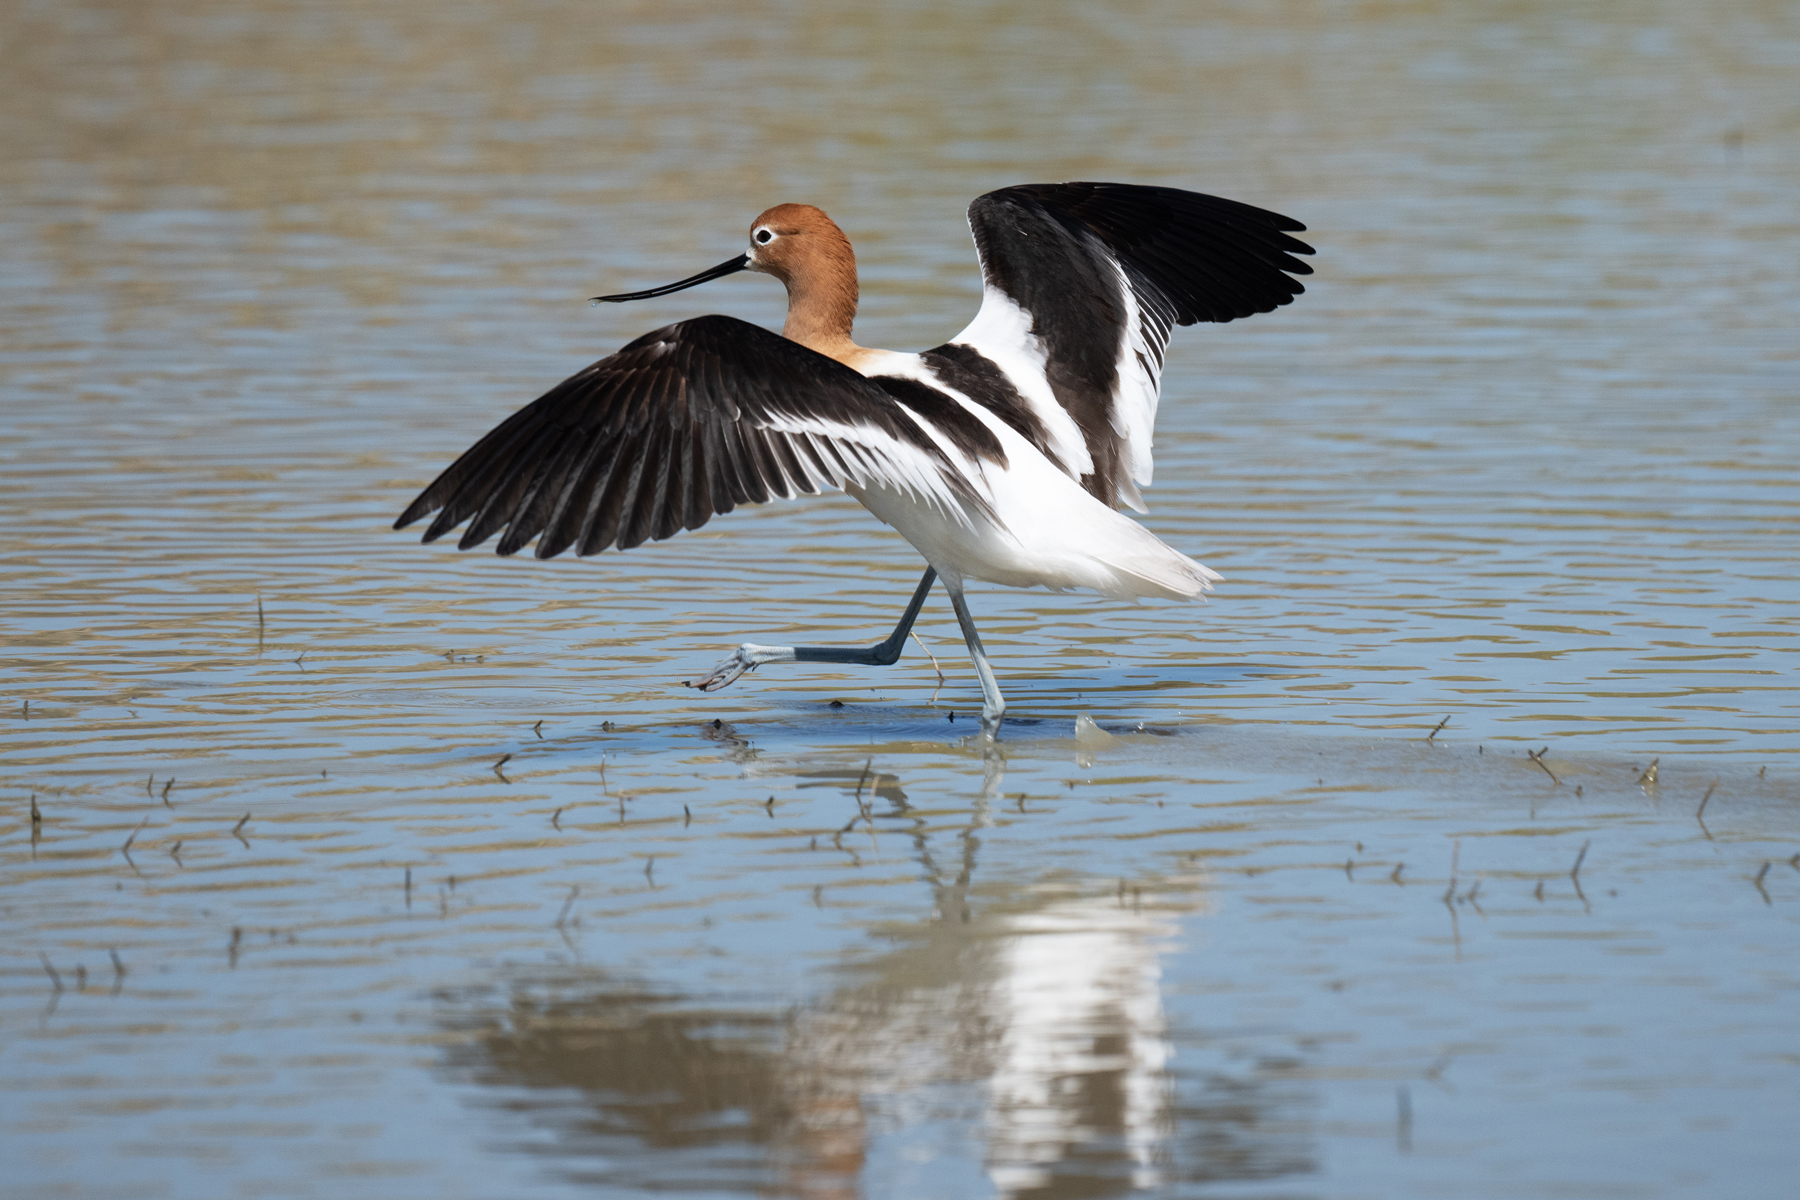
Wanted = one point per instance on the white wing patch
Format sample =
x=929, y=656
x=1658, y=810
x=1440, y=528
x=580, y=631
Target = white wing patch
x=1001, y=332
x=871, y=458
x=1137, y=389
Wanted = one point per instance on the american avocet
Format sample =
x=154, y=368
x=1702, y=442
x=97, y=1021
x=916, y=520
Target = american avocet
x=1002, y=455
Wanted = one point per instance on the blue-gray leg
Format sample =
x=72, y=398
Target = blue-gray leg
x=749, y=656
x=993, y=704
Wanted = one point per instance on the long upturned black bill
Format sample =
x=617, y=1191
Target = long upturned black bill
x=729, y=267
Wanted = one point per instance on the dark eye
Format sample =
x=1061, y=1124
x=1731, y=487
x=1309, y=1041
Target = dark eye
x=764, y=237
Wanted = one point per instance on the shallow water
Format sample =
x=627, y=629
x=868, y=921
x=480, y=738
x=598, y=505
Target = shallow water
x=425, y=877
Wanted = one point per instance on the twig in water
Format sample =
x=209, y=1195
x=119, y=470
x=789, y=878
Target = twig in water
x=1649, y=775
x=687, y=818
x=650, y=870
x=55, y=979
x=166, y=787
x=862, y=779
x=119, y=971
x=1440, y=726
x=1538, y=758
x=1399, y=867
x=28, y=710
x=126, y=848
x=771, y=807
x=175, y=852
x=1698, y=812
x=1758, y=881
x=1455, y=856
x=504, y=759
x=1539, y=891
x=259, y=622
x=406, y=887
x=237, y=939
x=1575, y=871
x=37, y=818
x=934, y=666
x=1349, y=868
x=237, y=831
x=150, y=785
x=539, y=730
x=301, y=660
x=574, y=891
x=556, y=817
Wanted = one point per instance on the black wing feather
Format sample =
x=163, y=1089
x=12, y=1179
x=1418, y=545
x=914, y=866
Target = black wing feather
x=1187, y=257
x=674, y=428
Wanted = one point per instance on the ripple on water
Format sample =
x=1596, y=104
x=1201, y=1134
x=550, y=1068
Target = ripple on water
x=365, y=868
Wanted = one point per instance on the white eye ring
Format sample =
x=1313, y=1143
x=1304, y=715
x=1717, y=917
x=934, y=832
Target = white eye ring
x=764, y=237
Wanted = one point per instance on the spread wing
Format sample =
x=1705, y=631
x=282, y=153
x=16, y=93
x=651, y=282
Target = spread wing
x=691, y=420
x=1083, y=283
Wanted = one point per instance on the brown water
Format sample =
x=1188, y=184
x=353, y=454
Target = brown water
x=1523, y=455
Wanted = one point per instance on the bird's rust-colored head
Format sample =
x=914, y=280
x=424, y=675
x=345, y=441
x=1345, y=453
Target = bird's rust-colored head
x=801, y=246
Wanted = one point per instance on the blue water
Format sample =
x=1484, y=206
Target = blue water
x=1521, y=457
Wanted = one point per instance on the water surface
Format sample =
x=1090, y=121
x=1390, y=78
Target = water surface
x=424, y=876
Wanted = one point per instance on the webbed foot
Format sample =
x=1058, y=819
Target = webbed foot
x=743, y=660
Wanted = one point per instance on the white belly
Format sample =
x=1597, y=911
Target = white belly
x=1049, y=531
x=1044, y=528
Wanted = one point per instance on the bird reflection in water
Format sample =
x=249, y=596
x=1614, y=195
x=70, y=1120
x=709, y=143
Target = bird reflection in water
x=1028, y=1017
